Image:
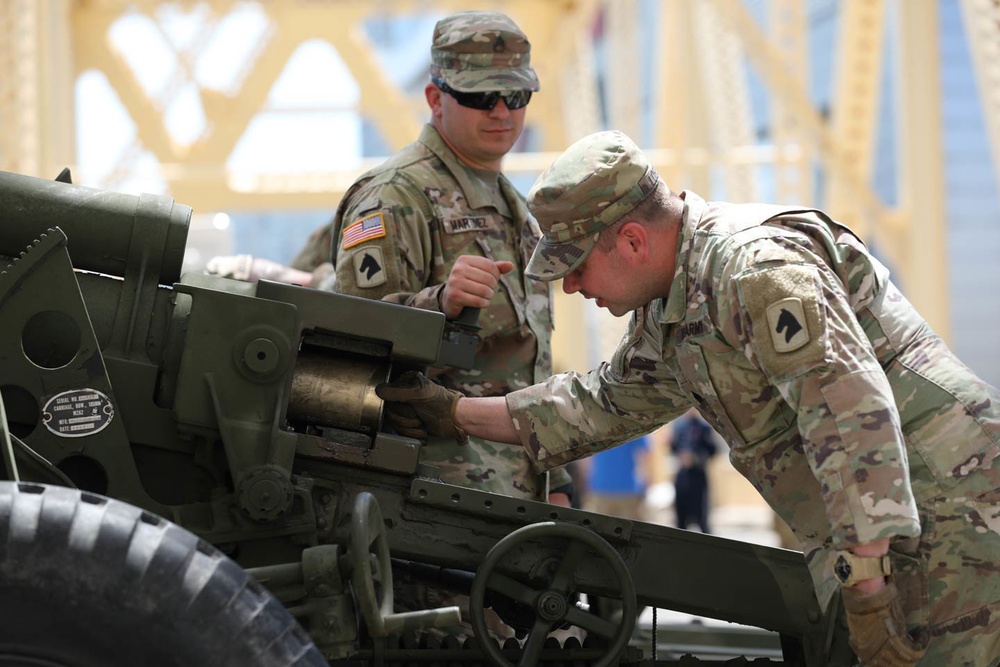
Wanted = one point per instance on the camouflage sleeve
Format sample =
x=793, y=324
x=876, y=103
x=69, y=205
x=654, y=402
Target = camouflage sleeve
x=559, y=477
x=796, y=322
x=572, y=416
x=384, y=247
x=317, y=249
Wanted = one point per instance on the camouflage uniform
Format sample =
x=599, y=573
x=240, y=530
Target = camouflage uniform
x=847, y=413
x=400, y=228
x=318, y=249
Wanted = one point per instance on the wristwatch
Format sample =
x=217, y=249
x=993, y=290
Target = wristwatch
x=850, y=569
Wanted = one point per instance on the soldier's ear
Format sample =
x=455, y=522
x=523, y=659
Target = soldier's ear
x=433, y=95
x=633, y=241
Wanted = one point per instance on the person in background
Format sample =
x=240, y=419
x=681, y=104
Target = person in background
x=616, y=480
x=692, y=442
x=849, y=415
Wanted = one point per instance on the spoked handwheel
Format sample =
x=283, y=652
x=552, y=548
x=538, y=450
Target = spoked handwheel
x=371, y=577
x=552, y=603
x=371, y=572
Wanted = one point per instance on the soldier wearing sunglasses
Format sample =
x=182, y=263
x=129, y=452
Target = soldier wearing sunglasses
x=437, y=226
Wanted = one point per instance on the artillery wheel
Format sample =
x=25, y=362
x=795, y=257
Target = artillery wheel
x=371, y=572
x=88, y=580
x=552, y=603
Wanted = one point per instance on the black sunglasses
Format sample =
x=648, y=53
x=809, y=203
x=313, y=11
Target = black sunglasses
x=515, y=99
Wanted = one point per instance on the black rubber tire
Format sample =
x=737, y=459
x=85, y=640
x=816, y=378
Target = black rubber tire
x=86, y=580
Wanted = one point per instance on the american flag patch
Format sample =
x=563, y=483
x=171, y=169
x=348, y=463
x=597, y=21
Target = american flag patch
x=372, y=227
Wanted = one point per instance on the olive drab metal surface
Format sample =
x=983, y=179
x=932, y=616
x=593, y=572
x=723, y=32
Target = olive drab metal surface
x=246, y=414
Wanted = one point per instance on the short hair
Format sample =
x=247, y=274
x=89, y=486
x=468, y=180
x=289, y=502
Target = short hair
x=649, y=212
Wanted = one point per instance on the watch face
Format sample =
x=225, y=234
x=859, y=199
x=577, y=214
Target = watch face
x=842, y=569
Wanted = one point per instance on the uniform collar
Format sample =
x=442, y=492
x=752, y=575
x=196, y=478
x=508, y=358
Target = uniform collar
x=477, y=193
x=675, y=305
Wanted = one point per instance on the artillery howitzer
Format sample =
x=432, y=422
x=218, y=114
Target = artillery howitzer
x=200, y=471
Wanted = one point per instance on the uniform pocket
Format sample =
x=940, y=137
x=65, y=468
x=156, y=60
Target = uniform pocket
x=947, y=416
x=733, y=394
x=506, y=310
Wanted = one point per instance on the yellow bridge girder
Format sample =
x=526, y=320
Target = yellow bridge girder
x=598, y=69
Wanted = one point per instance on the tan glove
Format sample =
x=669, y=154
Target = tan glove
x=878, y=629
x=417, y=407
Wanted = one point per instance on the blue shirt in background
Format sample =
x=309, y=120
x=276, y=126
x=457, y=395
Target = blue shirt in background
x=613, y=471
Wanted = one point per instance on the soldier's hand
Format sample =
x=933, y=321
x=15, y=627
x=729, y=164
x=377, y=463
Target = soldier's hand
x=471, y=284
x=237, y=267
x=878, y=629
x=417, y=407
x=251, y=269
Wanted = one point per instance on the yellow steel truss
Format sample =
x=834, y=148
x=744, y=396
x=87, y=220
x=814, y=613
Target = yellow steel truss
x=692, y=98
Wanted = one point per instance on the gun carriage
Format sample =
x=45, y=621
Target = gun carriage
x=200, y=463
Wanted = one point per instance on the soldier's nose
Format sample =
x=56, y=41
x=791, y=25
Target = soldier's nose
x=570, y=284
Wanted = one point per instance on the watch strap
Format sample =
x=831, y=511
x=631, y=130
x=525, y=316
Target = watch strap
x=850, y=569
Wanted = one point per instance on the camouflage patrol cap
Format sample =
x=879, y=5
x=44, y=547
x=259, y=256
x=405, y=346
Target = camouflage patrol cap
x=478, y=51
x=591, y=186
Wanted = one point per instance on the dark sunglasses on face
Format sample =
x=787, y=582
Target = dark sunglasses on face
x=515, y=99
